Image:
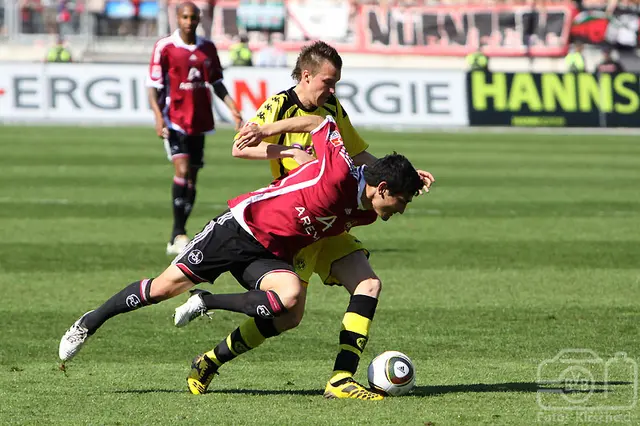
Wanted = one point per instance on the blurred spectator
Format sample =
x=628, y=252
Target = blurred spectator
x=270, y=55
x=478, y=61
x=240, y=54
x=3, y=29
x=125, y=17
x=59, y=52
x=206, y=14
x=575, y=60
x=608, y=64
x=50, y=16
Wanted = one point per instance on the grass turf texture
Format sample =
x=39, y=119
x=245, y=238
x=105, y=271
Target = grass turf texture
x=528, y=244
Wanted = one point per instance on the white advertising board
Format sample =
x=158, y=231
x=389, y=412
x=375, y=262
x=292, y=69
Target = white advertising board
x=116, y=94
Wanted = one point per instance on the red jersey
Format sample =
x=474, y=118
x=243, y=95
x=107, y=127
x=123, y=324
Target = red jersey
x=187, y=70
x=318, y=199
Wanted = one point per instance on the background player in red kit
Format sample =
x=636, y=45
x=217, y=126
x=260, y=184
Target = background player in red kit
x=182, y=71
x=257, y=238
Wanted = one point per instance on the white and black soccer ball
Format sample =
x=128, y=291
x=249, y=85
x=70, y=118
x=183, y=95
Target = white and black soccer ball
x=392, y=373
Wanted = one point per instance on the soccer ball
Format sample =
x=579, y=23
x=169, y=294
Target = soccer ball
x=392, y=373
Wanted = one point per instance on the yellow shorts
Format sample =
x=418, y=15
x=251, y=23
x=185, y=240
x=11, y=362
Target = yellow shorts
x=319, y=256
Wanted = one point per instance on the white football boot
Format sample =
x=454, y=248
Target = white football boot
x=193, y=308
x=73, y=339
x=179, y=243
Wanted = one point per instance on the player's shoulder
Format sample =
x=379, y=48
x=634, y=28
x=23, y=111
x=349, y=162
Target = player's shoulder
x=163, y=42
x=334, y=102
x=281, y=101
x=205, y=43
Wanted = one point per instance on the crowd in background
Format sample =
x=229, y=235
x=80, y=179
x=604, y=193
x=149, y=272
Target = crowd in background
x=139, y=18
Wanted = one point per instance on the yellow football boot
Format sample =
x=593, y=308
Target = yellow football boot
x=201, y=374
x=349, y=388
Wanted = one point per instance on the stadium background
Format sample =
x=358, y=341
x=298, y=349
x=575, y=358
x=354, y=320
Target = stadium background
x=527, y=245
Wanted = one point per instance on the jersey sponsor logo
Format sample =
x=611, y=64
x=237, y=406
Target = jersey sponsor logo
x=195, y=257
x=306, y=223
x=132, y=301
x=193, y=77
x=335, y=138
x=326, y=221
x=194, y=74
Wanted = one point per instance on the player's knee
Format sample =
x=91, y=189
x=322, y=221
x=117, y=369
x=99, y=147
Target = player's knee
x=287, y=286
x=291, y=297
x=181, y=170
x=369, y=287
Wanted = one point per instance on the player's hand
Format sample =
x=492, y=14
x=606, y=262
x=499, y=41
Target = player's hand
x=161, y=129
x=237, y=118
x=302, y=156
x=427, y=179
x=250, y=135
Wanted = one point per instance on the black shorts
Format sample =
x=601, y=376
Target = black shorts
x=181, y=145
x=224, y=246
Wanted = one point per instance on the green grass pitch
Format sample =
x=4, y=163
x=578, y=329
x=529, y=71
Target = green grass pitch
x=528, y=244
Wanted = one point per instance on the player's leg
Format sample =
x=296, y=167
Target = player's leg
x=256, y=303
x=205, y=259
x=261, y=276
x=178, y=152
x=350, y=267
x=195, y=145
x=136, y=295
x=248, y=336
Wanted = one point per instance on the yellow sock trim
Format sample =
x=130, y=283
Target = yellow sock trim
x=351, y=349
x=212, y=356
x=250, y=333
x=356, y=323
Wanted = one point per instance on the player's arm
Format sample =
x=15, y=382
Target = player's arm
x=221, y=91
x=253, y=134
x=249, y=143
x=357, y=147
x=215, y=79
x=270, y=151
x=155, y=83
x=161, y=129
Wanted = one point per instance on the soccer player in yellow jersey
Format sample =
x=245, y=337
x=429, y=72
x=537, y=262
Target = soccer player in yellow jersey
x=340, y=260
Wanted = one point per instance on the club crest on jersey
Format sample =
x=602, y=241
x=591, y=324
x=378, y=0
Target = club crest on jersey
x=335, y=138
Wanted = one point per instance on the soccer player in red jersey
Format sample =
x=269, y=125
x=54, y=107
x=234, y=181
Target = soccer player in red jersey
x=257, y=238
x=182, y=71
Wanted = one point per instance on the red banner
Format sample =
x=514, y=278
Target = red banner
x=499, y=30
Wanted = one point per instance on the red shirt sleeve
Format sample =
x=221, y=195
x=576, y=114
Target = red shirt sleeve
x=329, y=147
x=157, y=65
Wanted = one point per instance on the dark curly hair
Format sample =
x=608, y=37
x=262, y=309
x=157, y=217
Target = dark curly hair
x=397, y=171
x=312, y=56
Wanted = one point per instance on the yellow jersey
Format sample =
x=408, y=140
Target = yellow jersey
x=286, y=104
